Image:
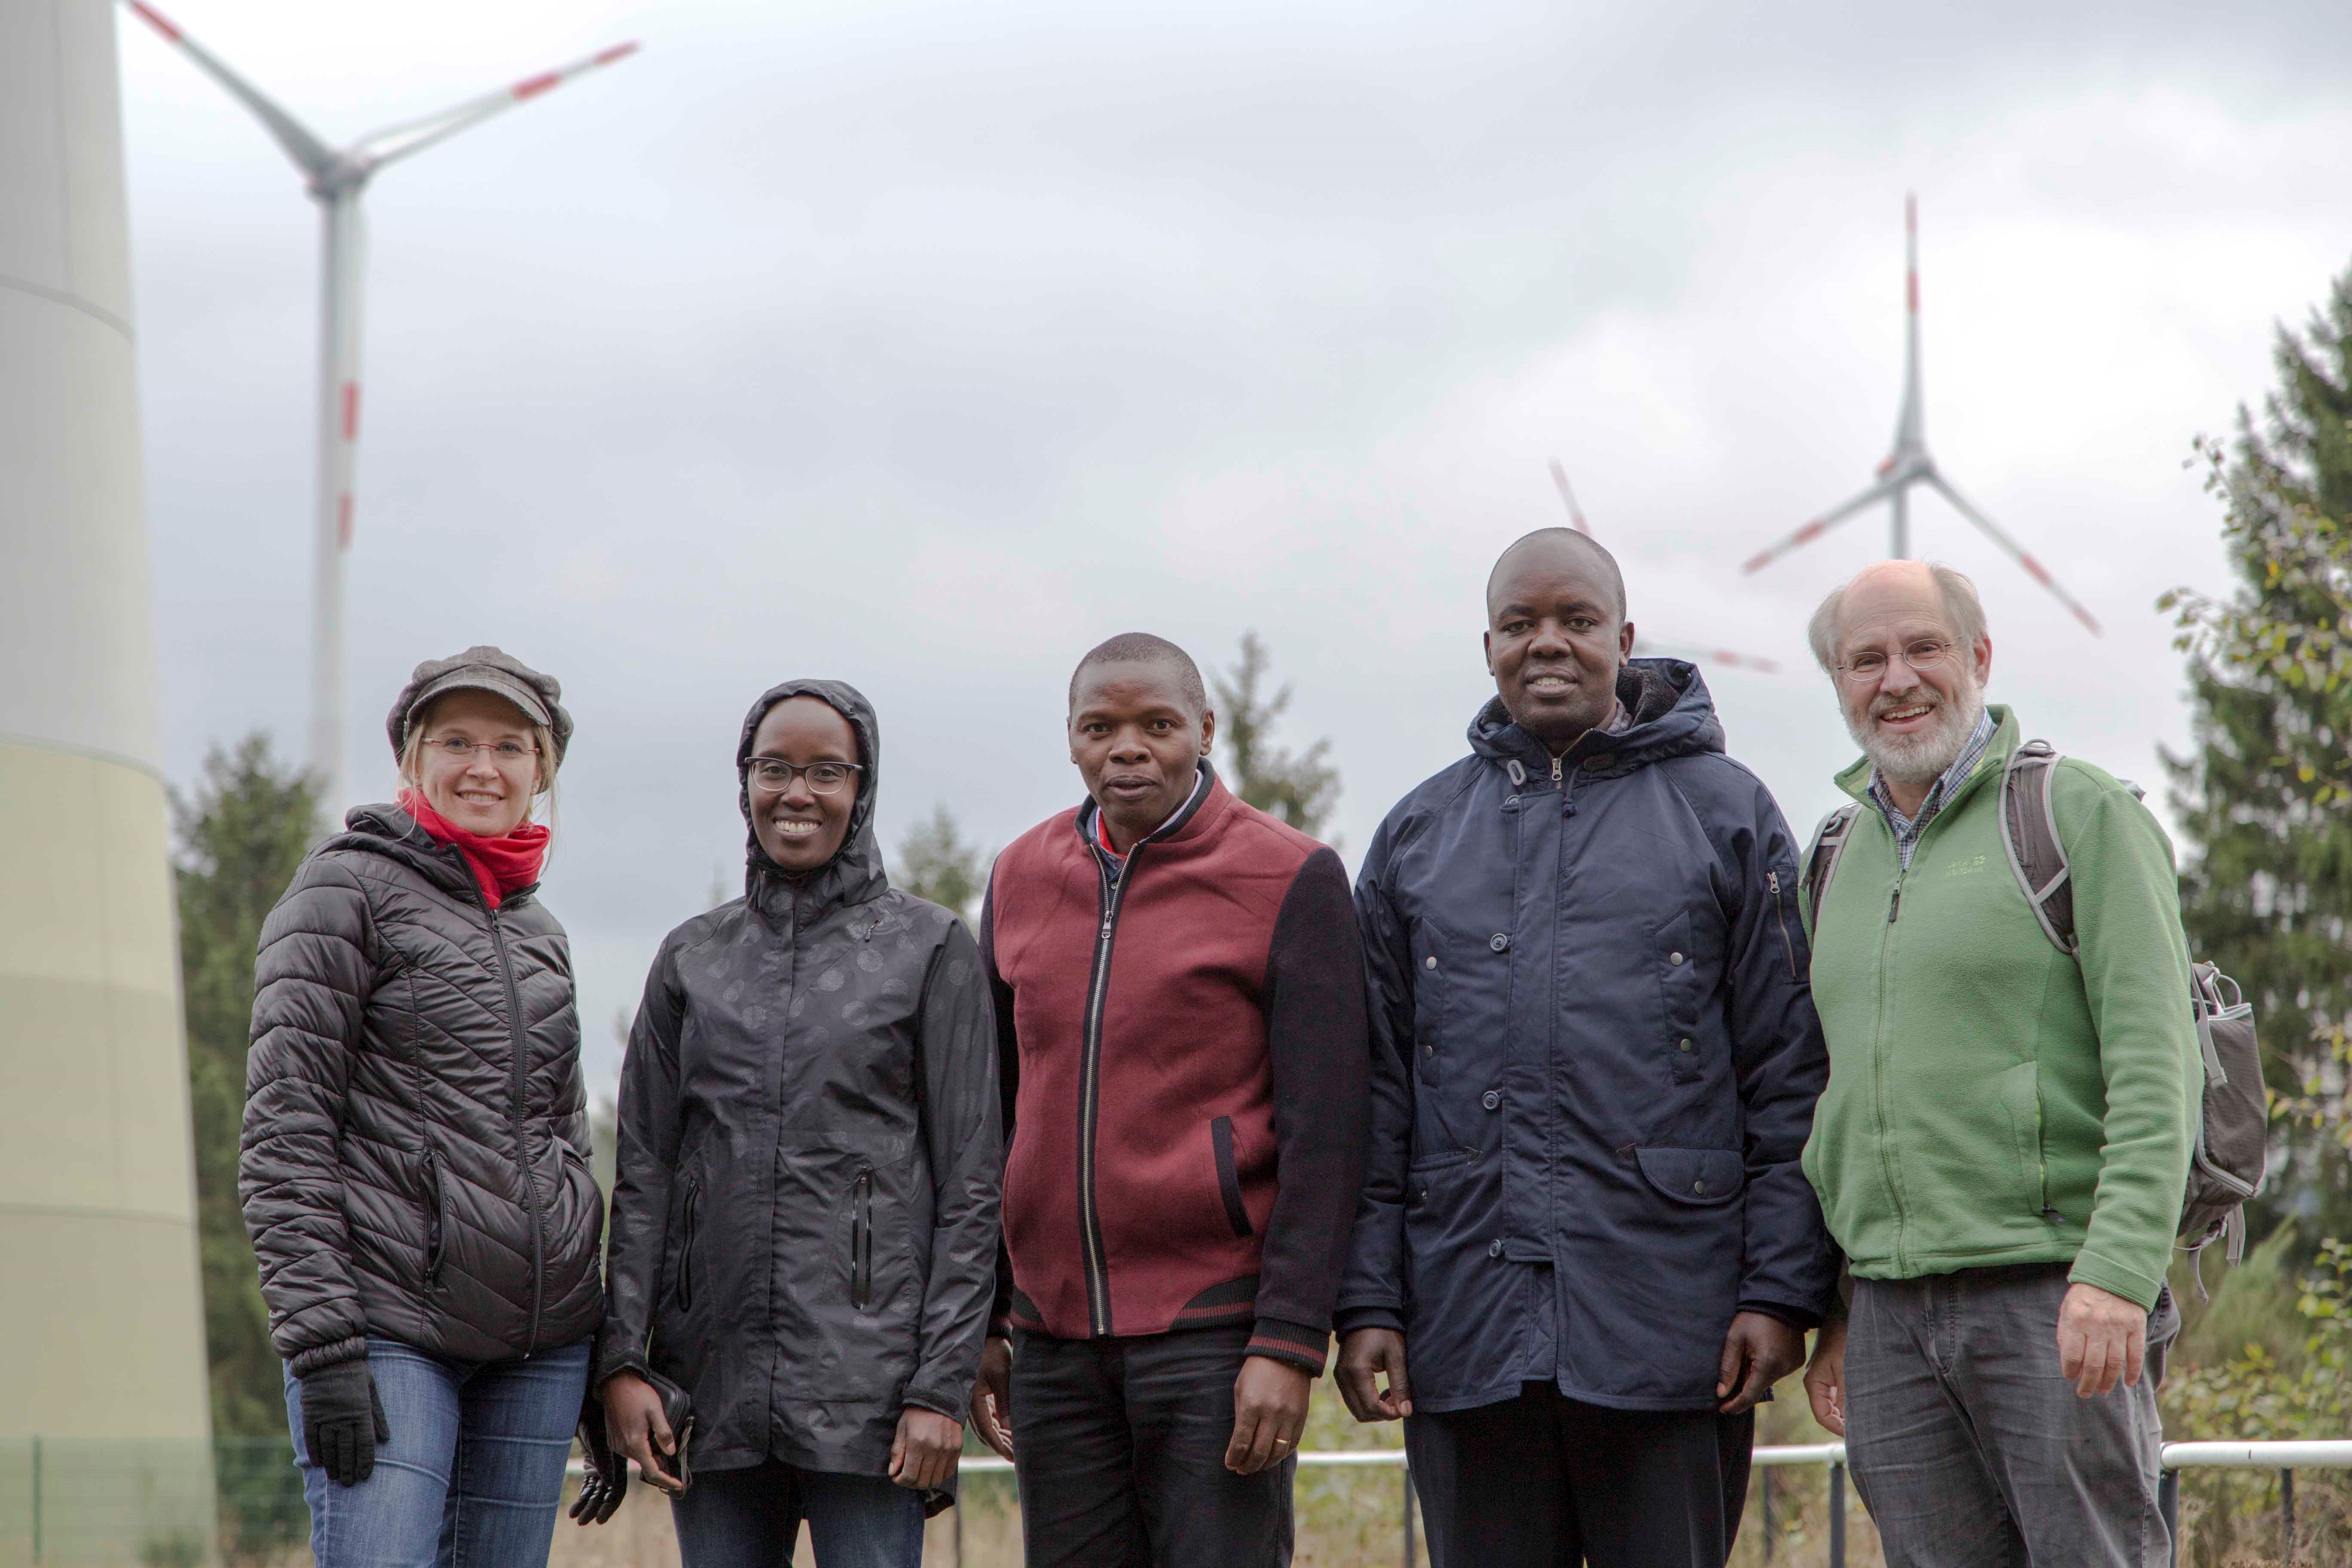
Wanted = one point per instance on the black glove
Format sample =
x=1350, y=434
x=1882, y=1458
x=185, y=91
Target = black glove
x=342, y=1420
x=607, y=1481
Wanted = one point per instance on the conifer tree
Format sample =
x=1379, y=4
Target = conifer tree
x=936, y=862
x=2265, y=796
x=1301, y=788
x=240, y=836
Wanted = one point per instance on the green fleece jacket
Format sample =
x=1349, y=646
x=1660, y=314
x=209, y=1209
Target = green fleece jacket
x=1992, y=1101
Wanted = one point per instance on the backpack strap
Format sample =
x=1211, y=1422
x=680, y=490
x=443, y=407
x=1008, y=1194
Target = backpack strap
x=1821, y=860
x=2029, y=833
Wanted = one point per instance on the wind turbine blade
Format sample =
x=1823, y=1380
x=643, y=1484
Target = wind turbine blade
x=396, y=142
x=1575, y=512
x=1822, y=524
x=313, y=156
x=2033, y=569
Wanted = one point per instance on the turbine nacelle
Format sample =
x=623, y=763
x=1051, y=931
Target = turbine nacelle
x=1908, y=464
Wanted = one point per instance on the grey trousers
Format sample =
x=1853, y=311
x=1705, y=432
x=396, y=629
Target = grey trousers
x=1972, y=1450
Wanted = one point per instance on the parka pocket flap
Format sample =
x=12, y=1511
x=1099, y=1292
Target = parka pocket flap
x=1693, y=1176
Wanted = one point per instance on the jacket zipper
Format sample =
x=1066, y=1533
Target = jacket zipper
x=1878, y=1056
x=861, y=1239
x=515, y=1090
x=437, y=1236
x=685, y=1252
x=1772, y=880
x=1089, y=1093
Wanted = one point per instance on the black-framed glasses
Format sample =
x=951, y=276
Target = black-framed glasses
x=457, y=749
x=1922, y=654
x=771, y=776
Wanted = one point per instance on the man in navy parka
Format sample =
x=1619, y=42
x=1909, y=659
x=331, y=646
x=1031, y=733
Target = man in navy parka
x=1585, y=1250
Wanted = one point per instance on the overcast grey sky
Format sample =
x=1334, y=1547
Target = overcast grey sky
x=924, y=345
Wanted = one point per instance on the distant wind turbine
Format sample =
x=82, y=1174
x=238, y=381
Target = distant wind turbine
x=1909, y=463
x=1644, y=645
x=336, y=178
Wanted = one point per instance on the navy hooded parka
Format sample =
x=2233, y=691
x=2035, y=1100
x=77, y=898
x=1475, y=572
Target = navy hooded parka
x=1595, y=1058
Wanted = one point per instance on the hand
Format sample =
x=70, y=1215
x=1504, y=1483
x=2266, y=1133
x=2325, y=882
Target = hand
x=634, y=1423
x=607, y=1481
x=1759, y=1351
x=1363, y=1355
x=991, y=1397
x=342, y=1420
x=1269, y=1412
x=923, y=1454
x=1825, y=1378
x=2101, y=1337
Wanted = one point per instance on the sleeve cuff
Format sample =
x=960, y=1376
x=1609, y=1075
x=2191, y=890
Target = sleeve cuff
x=1795, y=1317
x=302, y=1363
x=1347, y=1319
x=2115, y=1281
x=1292, y=1344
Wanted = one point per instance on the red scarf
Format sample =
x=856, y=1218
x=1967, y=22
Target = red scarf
x=500, y=865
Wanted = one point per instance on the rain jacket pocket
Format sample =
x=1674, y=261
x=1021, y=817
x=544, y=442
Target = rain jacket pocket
x=436, y=1220
x=1229, y=1180
x=861, y=1239
x=1701, y=1176
x=686, y=1246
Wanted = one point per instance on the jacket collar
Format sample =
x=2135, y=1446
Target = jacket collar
x=1209, y=801
x=1672, y=713
x=391, y=832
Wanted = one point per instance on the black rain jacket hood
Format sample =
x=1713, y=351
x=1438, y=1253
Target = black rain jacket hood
x=804, y=1221
x=414, y=1159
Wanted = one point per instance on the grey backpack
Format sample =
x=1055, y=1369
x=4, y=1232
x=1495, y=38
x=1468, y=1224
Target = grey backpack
x=2233, y=1131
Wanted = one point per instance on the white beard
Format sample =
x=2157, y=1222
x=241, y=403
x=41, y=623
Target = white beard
x=1921, y=758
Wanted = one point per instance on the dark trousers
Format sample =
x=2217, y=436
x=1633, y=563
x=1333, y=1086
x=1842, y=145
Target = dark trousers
x=751, y=1519
x=1542, y=1482
x=1970, y=1446
x=1120, y=1453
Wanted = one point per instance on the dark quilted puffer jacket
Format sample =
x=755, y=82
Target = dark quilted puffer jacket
x=415, y=1146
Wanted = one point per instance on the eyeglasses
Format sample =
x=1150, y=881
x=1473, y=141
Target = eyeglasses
x=1922, y=654
x=505, y=753
x=772, y=777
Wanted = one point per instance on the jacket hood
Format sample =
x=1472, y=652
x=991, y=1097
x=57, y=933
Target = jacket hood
x=855, y=874
x=1672, y=717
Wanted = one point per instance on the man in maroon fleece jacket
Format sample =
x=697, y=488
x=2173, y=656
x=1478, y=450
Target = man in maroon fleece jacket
x=1181, y=1019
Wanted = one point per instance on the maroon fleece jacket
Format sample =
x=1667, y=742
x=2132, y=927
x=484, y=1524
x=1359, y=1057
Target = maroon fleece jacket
x=1186, y=1069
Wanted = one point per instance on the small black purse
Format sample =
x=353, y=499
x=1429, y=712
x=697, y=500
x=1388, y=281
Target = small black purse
x=678, y=1409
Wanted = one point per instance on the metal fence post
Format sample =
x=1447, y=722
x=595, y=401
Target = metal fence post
x=1412, y=1547
x=2286, y=1516
x=2167, y=1503
x=36, y=1497
x=1837, y=1516
x=1768, y=1513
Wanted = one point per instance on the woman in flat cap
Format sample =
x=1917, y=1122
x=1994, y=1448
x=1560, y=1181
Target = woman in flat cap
x=415, y=1165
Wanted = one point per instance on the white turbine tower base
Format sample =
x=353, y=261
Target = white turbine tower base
x=336, y=178
x=1909, y=463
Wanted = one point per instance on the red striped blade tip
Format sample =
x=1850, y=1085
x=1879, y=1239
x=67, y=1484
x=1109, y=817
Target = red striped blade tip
x=618, y=52
x=155, y=19
x=531, y=87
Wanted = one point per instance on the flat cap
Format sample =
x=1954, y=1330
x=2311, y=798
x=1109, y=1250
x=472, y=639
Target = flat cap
x=482, y=669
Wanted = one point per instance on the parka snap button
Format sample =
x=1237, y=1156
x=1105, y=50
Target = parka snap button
x=1429, y=963
x=1499, y=943
x=1492, y=1100
x=1686, y=1044
x=1494, y=1249
x=1675, y=958
x=1699, y=1187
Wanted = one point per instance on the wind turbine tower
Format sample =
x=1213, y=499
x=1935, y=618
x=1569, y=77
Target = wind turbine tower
x=1909, y=465
x=104, y=1415
x=337, y=178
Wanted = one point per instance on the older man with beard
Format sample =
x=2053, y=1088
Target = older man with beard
x=2002, y=1146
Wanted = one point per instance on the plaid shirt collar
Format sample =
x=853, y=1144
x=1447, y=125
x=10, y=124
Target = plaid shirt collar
x=1906, y=829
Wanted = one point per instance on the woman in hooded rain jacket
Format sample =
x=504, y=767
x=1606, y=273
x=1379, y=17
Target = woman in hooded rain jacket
x=805, y=1222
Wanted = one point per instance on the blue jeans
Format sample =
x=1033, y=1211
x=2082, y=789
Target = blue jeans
x=751, y=1519
x=473, y=1473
